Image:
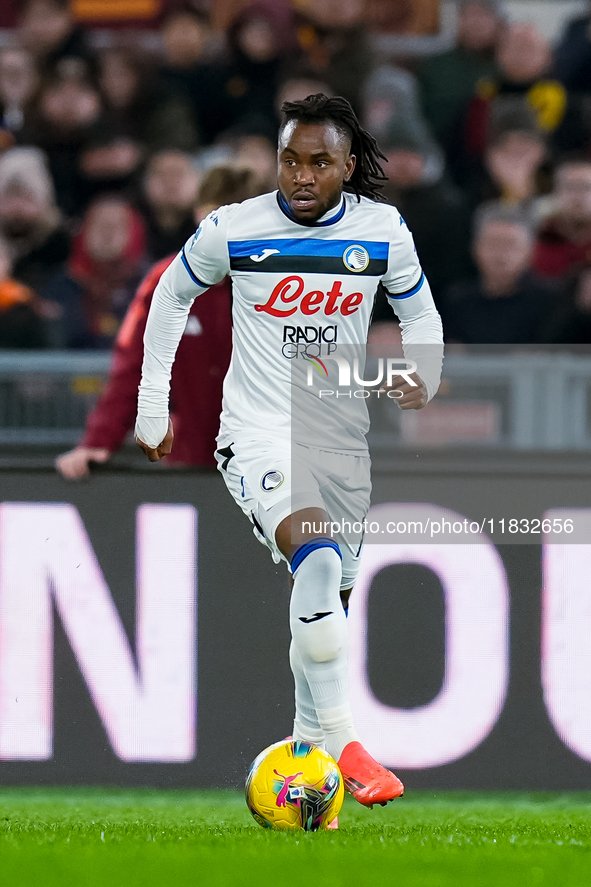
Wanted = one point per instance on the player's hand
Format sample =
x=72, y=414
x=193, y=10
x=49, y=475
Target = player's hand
x=76, y=464
x=163, y=449
x=412, y=397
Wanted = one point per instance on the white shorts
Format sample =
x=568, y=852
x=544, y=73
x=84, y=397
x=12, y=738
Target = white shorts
x=273, y=479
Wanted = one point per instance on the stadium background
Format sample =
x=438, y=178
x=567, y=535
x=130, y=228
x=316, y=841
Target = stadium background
x=509, y=432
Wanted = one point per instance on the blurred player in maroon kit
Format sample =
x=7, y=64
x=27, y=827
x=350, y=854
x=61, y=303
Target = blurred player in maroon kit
x=196, y=384
x=202, y=360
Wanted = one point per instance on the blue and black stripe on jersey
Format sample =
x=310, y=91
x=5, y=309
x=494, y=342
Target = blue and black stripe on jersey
x=192, y=275
x=407, y=293
x=308, y=254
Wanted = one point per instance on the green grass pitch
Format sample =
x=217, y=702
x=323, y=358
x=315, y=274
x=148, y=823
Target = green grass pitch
x=148, y=838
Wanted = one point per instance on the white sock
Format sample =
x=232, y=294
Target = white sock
x=321, y=643
x=305, y=725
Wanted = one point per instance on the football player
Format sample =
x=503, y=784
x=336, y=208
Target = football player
x=305, y=263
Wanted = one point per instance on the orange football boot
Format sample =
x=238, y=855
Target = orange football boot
x=365, y=779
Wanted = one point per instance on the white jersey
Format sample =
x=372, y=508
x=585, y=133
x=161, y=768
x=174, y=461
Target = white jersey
x=300, y=292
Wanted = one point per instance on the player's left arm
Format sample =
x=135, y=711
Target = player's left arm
x=410, y=296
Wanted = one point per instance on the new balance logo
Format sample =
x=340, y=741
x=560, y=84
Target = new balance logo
x=264, y=255
x=315, y=617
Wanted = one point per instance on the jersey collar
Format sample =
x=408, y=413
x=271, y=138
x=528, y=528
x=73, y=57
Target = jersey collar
x=329, y=218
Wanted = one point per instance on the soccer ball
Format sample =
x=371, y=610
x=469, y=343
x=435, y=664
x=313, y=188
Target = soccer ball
x=294, y=785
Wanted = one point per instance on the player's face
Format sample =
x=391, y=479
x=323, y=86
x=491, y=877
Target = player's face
x=314, y=163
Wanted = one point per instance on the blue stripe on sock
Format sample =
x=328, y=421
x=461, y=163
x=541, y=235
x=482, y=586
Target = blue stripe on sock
x=307, y=548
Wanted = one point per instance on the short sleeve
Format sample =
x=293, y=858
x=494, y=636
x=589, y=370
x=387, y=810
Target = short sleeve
x=404, y=276
x=205, y=254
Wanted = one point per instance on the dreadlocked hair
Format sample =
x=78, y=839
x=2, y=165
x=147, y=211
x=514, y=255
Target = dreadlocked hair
x=368, y=176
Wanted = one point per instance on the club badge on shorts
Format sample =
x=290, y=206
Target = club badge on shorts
x=356, y=258
x=271, y=481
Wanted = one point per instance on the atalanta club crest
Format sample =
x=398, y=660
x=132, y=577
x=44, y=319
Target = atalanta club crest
x=271, y=481
x=356, y=258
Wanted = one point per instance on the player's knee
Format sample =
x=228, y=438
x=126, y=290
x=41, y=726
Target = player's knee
x=320, y=557
x=316, y=613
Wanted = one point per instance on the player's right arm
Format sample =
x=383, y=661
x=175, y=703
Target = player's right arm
x=202, y=262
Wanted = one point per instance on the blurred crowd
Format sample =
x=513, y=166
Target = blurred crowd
x=111, y=150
